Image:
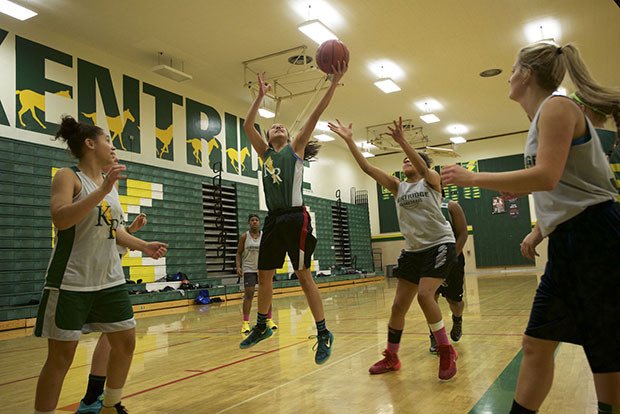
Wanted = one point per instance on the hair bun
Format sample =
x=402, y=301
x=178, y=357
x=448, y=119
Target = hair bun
x=68, y=128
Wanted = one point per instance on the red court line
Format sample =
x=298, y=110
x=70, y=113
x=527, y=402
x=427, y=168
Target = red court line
x=73, y=407
x=85, y=365
x=360, y=333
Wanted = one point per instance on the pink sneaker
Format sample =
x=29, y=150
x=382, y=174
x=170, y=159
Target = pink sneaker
x=389, y=363
x=447, y=361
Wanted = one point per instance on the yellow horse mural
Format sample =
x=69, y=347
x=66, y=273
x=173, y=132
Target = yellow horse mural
x=31, y=100
x=238, y=158
x=165, y=137
x=116, y=124
x=197, y=147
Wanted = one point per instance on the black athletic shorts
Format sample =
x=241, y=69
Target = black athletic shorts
x=452, y=288
x=578, y=299
x=286, y=231
x=432, y=262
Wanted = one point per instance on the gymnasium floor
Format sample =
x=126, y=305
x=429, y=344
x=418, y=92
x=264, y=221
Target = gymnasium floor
x=188, y=360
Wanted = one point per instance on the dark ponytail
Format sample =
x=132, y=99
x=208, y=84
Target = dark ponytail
x=74, y=133
x=311, y=150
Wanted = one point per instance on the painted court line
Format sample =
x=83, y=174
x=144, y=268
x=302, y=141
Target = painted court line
x=85, y=365
x=298, y=378
x=74, y=406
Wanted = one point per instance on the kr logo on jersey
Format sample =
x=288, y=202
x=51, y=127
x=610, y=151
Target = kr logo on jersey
x=274, y=172
x=105, y=215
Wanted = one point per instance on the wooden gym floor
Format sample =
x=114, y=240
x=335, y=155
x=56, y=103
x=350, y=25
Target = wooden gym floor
x=188, y=360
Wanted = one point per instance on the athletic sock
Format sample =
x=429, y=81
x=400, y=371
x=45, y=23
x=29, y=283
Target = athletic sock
x=269, y=314
x=439, y=332
x=519, y=409
x=457, y=318
x=112, y=396
x=321, y=327
x=394, y=336
x=246, y=317
x=261, y=321
x=94, y=388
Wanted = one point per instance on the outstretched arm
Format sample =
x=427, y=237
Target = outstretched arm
x=380, y=176
x=258, y=143
x=431, y=176
x=556, y=130
x=301, y=139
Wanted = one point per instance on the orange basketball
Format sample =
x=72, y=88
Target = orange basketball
x=330, y=53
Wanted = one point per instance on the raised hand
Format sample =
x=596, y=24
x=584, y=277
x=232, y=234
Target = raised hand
x=457, y=175
x=138, y=223
x=344, y=132
x=263, y=86
x=339, y=70
x=155, y=249
x=112, y=176
x=397, y=133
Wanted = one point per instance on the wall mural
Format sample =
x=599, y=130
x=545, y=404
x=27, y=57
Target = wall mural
x=117, y=103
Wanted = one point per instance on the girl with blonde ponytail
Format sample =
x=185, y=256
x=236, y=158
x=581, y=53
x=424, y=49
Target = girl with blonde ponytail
x=568, y=174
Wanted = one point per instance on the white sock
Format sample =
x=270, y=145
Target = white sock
x=112, y=396
x=436, y=326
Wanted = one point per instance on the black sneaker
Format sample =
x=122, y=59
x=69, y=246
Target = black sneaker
x=433, y=348
x=117, y=409
x=255, y=337
x=457, y=329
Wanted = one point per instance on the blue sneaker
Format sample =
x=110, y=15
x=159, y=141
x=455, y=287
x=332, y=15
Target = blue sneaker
x=323, y=347
x=93, y=408
x=255, y=337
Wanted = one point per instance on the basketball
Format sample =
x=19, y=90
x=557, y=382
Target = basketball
x=330, y=53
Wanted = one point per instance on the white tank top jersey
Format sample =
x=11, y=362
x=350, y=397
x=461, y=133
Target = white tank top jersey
x=421, y=221
x=586, y=180
x=249, y=257
x=85, y=257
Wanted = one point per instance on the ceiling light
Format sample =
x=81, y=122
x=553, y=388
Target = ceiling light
x=365, y=145
x=316, y=31
x=266, y=113
x=561, y=91
x=489, y=73
x=15, y=10
x=429, y=105
x=543, y=30
x=368, y=154
x=458, y=140
x=322, y=126
x=387, y=85
x=386, y=69
x=457, y=129
x=324, y=138
x=429, y=118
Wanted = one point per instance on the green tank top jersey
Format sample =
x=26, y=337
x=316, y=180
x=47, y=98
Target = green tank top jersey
x=282, y=178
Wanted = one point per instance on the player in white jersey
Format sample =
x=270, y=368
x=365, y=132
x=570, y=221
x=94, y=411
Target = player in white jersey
x=430, y=251
x=568, y=174
x=85, y=285
x=247, y=268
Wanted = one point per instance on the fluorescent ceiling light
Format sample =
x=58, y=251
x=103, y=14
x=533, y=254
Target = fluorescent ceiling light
x=429, y=105
x=457, y=129
x=266, y=113
x=387, y=85
x=386, y=69
x=561, y=91
x=316, y=31
x=368, y=154
x=322, y=126
x=365, y=145
x=546, y=29
x=458, y=140
x=15, y=10
x=429, y=118
x=324, y=138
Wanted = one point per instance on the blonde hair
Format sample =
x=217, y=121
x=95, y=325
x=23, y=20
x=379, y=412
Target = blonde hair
x=550, y=64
